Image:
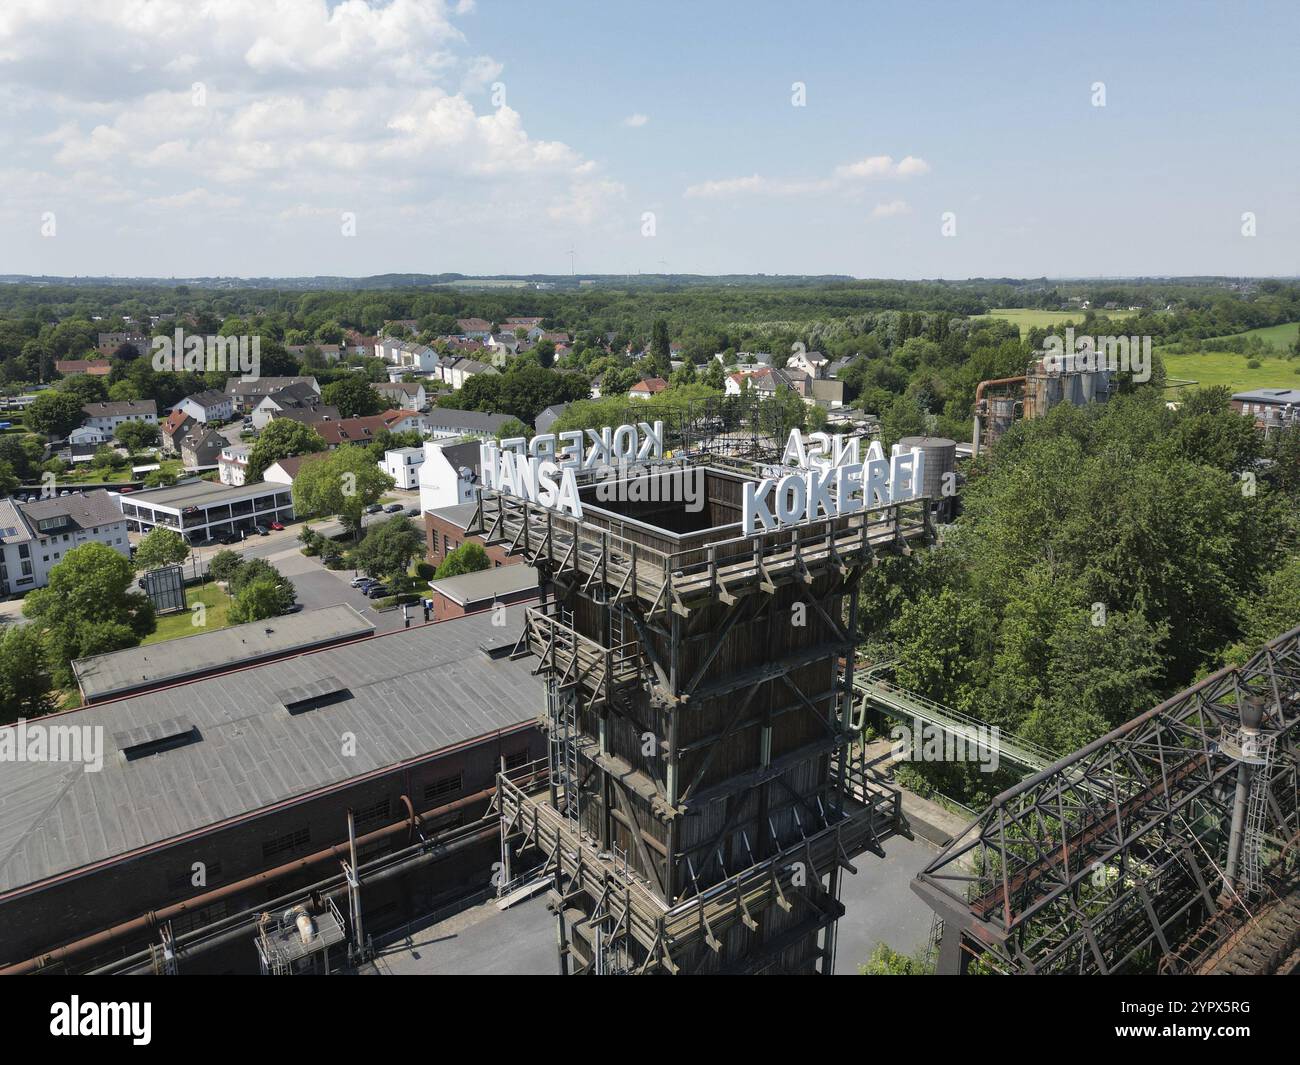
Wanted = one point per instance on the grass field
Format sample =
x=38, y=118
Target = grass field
x=1280, y=336
x=1025, y=318
x=1216, y=368
x=217, y=615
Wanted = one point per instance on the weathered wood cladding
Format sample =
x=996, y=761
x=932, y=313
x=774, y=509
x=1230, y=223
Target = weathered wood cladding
x=717, y=759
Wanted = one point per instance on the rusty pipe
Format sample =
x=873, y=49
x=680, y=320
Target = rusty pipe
x=979, y=388
x=155, y=918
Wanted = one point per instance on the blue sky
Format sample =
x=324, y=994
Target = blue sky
x=493, y=137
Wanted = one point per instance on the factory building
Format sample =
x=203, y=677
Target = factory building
x=214, y=800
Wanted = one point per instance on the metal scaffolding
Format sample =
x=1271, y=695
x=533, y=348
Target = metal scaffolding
x=1117, y=857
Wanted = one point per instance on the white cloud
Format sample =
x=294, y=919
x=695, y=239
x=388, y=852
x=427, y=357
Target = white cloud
x=305, y=105
x=890, y=210
x=872, y=168
x=636, y=121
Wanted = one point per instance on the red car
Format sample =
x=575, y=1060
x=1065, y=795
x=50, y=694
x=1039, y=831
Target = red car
x=277, y=526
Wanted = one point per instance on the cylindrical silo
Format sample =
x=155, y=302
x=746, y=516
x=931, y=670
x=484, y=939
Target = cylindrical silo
x=940, y=459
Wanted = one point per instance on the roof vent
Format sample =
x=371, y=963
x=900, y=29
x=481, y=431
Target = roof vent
x=314, y=694
x=156, y=738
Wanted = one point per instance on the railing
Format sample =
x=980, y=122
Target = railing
x=572, y=658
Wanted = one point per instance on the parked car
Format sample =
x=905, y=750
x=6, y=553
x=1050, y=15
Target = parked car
x=277, y=526
x=361, y=582
x=262, y=530
x=412, y=512
x=376, y=590
x=374, y=508
x=393, y=508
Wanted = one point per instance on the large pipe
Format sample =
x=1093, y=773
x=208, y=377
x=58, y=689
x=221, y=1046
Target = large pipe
x=979, y=396
x=154, y=918
x=141, y=963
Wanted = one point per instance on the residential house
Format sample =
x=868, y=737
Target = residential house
x=87, y=437
x=407, y=395
x=813, y=363
x=212, y=405
x=78, y=367
x=650, y=386
x=113, y=413
x=403, y=466
x=543, y=422
x=474, y=328
x=108, y=343
x=463, y=369
x=232, y=464
x=296, y=397
x=449, y=473
x=246, y=393
x=364, y=430
x=328, y=352
x=34, y=537
x=447, y=423
x=305, y=415
x=174, y=430
x=201, y=448
x=285, y=470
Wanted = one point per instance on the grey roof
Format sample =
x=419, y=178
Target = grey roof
x=459, y=515
x=115, y=408
x=202, y=494
x=450, y=418
x=261, y=386
x=543, y=422
x=13, y=528
x=88, y=510
x=212, y=397
x=409, y=693
x=101, y=676
x=459, y=455
x=486, y=584
x=299, y=394
x=1279, y=396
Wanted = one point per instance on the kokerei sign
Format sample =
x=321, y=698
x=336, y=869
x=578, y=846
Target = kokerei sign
x=829, y=476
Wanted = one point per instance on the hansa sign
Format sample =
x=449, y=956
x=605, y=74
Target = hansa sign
x=543, y=470
x=831, y=480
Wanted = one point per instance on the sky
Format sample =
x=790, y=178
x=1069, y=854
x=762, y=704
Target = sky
x=255, y=138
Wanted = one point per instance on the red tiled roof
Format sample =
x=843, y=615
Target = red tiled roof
x=650, y=385
x=94, y=367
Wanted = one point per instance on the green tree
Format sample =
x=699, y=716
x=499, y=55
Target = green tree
x=387, y=549
x=661, y=349
x=136, y=436
x=343, y=482
x=353, y=397
x=89, y=607
x=261, y=599
x=282, y=438
x=468, y=558
x=224, y=564
x=885, y=961
x=25, y=681
x=55, y=413
x=161, y=547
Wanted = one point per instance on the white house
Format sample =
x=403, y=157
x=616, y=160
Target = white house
x=404, y=395
x=88, y=436
x=210, y=406
x=448, y=474
x=232, y=466
x=403, y=466
x=447, y=423
x=463, y=369
x=295, y=397
x=813, y=363
x=109, y=415
x=35, y=537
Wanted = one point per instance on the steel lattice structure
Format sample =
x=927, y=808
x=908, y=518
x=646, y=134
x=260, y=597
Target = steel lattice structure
x=1113, y=859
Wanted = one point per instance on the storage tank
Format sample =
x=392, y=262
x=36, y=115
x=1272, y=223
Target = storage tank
x=940, y=459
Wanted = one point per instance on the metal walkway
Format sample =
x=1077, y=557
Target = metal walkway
x=908, y=706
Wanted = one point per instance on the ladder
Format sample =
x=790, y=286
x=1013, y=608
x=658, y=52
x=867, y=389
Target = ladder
x=1252, y=875
x=564, y=746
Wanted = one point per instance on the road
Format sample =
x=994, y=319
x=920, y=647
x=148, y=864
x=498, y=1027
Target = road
x=316, y=586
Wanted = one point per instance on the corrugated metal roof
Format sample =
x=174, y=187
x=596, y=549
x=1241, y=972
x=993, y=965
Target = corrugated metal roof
x=102, y=676
x=410, y=692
